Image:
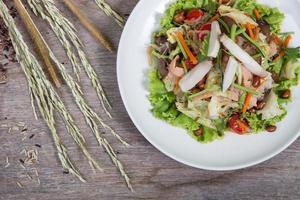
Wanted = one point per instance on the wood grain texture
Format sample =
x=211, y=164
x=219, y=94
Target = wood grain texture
x=154, y=175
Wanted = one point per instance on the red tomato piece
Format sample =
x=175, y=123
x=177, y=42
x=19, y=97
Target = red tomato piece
x=205, y=27
x=237, y=125
x=189, y=64
x=194, y=14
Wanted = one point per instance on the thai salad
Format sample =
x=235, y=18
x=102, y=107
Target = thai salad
x=221, y=66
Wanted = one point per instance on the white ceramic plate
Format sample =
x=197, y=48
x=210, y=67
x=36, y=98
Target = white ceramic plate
x=234, y=151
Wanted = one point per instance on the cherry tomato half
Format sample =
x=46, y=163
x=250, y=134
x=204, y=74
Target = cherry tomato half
x=205, y=27
x=237, y=125
x=194, y=14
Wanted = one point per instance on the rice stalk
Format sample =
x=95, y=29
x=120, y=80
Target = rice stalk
x=67, y=36
x=36, y=86
x=91, y=117
x=44, y=94
x=107, y=9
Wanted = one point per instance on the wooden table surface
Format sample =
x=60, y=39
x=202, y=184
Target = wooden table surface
x=154, y=175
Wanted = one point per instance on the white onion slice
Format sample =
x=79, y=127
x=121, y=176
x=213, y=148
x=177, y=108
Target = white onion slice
x=213, y=108
x=193, y=77
x=244, y=57
x=214, y=42
x=229, y=73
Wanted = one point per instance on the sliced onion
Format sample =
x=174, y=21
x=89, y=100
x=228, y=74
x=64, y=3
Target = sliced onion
x=195, y=75
x=244, y=57
x=229, y=73
x=214, y=42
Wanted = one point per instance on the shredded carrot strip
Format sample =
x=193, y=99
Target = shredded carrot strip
x=256, y=13
x=247, y=102
x=249, y=28
x=186, y=48
x=277, y=39
x=214, y=18
x=256, y=33
x=281, y=54
x=287, y=41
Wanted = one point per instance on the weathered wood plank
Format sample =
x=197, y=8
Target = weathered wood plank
x=154, y=175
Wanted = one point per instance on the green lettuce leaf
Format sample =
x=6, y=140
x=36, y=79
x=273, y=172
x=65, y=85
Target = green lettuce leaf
x=275, y=19
x=277, y=66
x=291, y=70
x=286, y=84
x=210, y=6
x=208, y=135
x=163, y=104
x=257, y=124
x=162, y=101
x=155, y=84
x=221, y=125
x=290, y=75
x=245, y=5
x=185, y=122
x=271, y=15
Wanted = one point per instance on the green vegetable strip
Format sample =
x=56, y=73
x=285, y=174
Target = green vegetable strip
x=233, y=32
x=249, y=90
x=181, y=48
x=242, y=100
x=256, y=56
x=156, y=54
x=224, y=25
x=240, y=31
x=184, y=67
x=255, y=44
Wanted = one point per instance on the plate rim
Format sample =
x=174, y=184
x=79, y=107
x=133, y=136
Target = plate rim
x=157, y=146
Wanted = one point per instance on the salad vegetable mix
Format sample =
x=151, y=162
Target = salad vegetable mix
x=222, y=65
